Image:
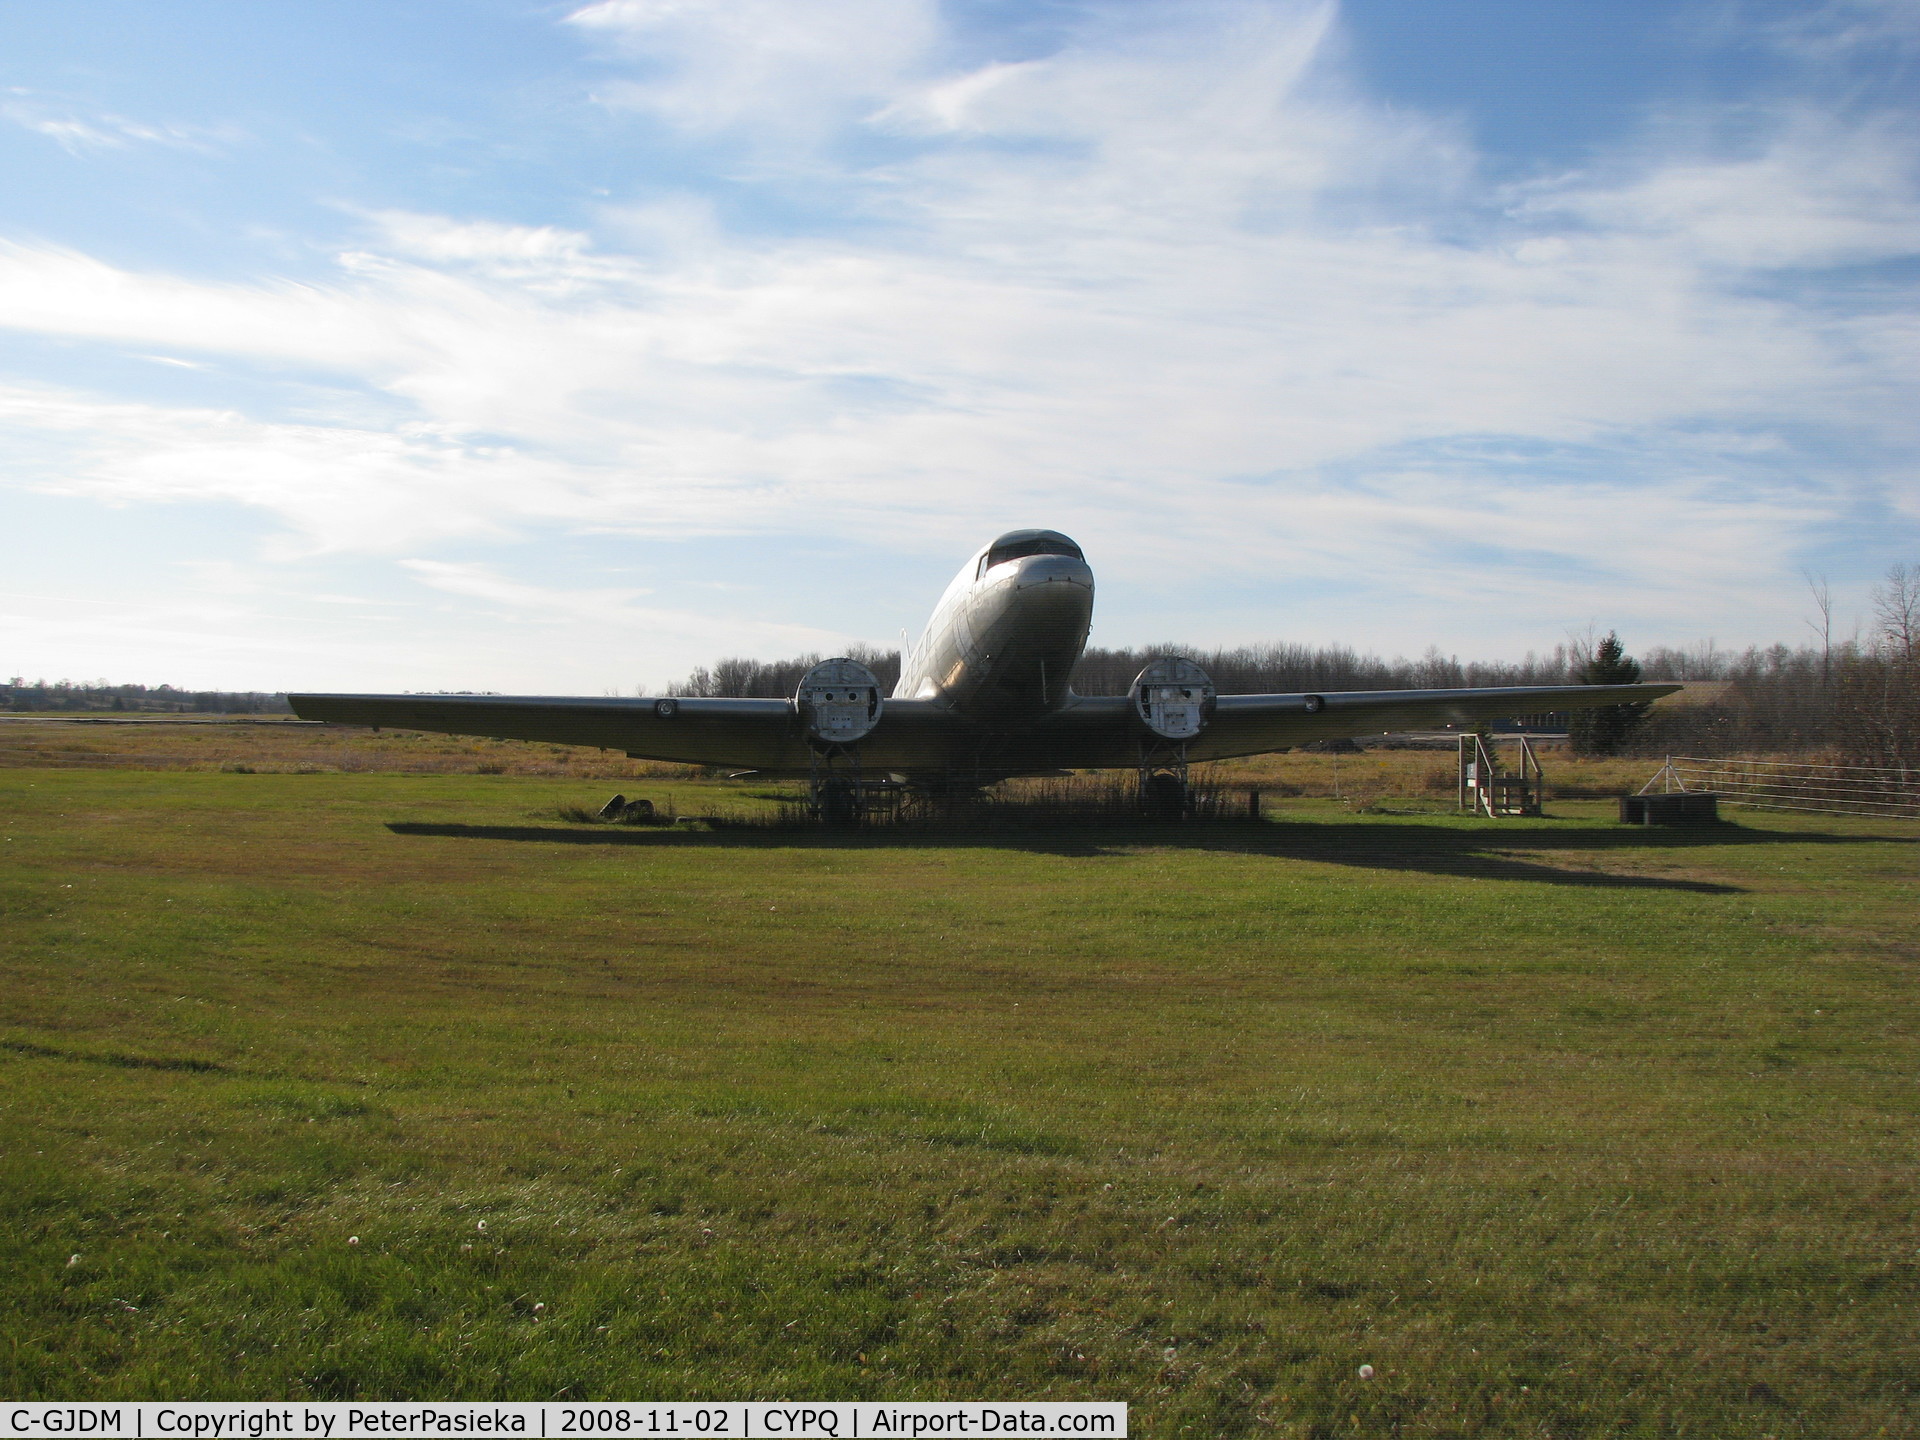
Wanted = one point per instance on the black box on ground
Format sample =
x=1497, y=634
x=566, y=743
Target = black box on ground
x=1679, y=807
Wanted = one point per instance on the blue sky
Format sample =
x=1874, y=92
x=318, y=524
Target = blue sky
x=563, y=347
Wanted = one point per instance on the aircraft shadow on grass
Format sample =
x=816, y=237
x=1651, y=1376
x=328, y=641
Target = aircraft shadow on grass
x=1433, y=849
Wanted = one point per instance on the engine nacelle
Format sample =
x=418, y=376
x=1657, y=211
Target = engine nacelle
x=1173, y=698
x=839, y=701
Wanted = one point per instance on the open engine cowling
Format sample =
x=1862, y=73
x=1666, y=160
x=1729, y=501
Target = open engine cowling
x=839, y=701
x=1173, y=698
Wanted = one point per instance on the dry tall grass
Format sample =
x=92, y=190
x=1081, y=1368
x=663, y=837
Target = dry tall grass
x=1422, y=779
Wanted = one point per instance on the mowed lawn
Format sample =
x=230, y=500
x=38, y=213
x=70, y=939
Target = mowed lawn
x=1565, y=1128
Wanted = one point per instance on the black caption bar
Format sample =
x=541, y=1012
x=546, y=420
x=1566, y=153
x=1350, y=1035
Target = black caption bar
x=464, y=1419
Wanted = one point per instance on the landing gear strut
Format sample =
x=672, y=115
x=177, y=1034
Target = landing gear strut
x=1163, y=794
x=835, y=793
x=838, y=801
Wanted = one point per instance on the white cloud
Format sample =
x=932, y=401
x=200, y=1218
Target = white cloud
x=1176, y=282
x=952, y=104
x=792, y=69
x=1816, y=191
x=535, y=254
x=61, y=292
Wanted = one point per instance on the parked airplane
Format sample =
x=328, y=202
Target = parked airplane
x=983, y=696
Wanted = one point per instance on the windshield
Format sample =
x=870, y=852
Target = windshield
x=1019, y=544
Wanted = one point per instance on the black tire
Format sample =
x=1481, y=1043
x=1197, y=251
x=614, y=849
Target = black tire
x=1164, y=797
x=839, y=803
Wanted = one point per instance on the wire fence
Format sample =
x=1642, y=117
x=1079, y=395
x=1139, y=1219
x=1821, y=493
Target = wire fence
x=1796, y=785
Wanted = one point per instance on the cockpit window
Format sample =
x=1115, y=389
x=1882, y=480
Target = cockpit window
x=1018, y=544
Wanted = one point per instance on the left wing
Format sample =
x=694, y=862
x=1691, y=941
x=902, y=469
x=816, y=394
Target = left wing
x=1252, y=724
x=752, y=733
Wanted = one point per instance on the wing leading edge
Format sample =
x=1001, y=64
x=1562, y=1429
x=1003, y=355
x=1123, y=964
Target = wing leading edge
x=696, y=731
x=1251, y=724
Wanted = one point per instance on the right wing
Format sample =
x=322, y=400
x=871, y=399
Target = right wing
x=1253, y=724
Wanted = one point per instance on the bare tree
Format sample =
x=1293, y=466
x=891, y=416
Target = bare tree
x=1896, y=606
x=1580, y=647
x=1823, y=626
x=1877, y=699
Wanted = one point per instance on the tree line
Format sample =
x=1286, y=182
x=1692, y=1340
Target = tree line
x=1857, y=698
x=100, y=695
x=1769, y=698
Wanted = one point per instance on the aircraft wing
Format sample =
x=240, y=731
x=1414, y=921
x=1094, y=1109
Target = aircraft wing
x=696, y=731
x=1252, y=724
x=922, y=737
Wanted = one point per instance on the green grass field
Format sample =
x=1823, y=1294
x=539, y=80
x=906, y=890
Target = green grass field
x=1564, y=1127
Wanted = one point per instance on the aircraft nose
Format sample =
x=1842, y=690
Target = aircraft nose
x=1052, y=570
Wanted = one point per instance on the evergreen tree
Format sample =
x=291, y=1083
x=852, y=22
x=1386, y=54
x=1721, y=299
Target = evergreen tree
x=1604, y=731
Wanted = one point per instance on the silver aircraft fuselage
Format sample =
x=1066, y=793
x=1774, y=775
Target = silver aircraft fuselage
x=1004, y=639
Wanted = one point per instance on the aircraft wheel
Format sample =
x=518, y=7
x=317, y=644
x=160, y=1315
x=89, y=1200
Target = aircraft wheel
x=839, y=803
x=1164, y=797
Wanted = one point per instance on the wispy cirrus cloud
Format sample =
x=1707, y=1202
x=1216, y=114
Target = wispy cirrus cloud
x=80, y=130
x=1835, y=30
